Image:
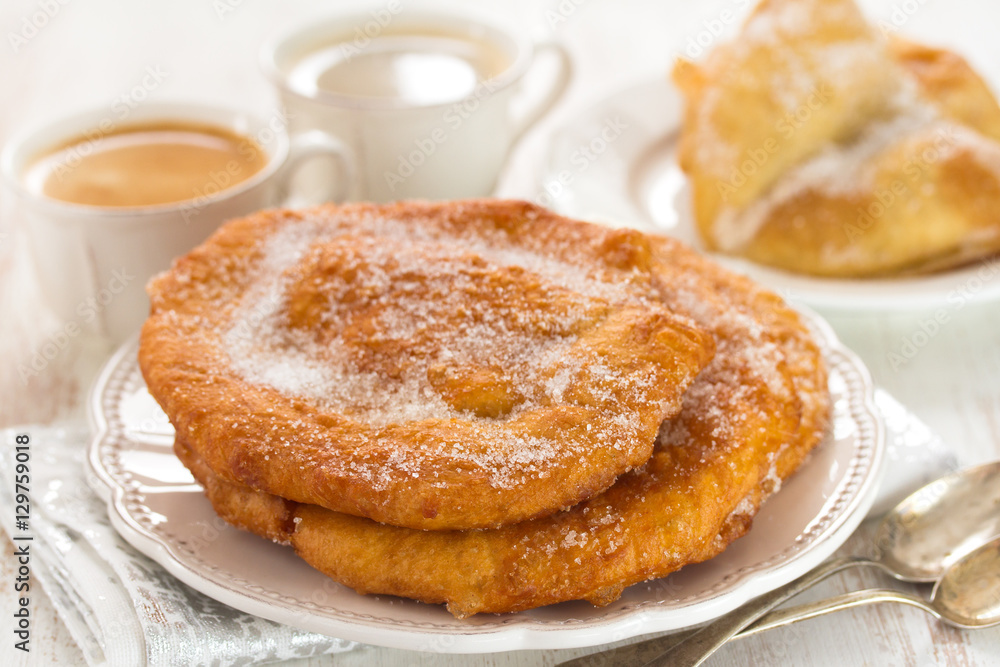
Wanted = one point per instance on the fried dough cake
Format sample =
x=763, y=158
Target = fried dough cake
x=814, y=144
x=747, y=422
x=433, y=366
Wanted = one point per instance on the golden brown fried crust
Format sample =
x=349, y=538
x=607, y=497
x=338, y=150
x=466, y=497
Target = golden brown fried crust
x=433, y=366
x=269, y=516
x=836, y=152
x=747, y=423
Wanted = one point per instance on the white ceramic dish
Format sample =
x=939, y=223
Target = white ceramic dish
x=633, y=179
x=155, y=505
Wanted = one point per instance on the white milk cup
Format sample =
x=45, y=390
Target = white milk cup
x=93, y=262
x=449, y=150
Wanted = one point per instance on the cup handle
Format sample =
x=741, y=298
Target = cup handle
x=308, y=145
x=555, y=91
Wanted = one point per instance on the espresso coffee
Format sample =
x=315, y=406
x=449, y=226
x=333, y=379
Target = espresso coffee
x=411, y=69
x=145, y=165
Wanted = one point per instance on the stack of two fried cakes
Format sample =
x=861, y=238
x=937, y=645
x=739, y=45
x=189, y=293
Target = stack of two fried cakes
x=479, y=403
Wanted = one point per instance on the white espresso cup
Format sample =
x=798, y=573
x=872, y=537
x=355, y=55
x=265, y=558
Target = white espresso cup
x=426, y=102
x=93, y=261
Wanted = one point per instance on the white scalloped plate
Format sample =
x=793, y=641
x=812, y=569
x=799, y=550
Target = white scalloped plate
x=616, y=164
x=155, y=505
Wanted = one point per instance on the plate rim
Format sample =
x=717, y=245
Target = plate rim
x=840, y=295
x=743, y=584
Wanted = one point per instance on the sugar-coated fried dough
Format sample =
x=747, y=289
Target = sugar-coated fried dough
x=816, y=145
x=434, y=366
x=747, y=422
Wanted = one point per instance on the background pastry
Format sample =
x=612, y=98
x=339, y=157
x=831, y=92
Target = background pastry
x=816, y=145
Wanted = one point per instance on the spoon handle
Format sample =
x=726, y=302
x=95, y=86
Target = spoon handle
x=703, y=643
x=803, y=612
x=642, y=652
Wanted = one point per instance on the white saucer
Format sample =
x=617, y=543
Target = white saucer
x=155, y=505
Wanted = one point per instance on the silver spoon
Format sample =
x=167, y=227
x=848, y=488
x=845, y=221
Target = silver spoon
x=967, y=596
x=917, y=541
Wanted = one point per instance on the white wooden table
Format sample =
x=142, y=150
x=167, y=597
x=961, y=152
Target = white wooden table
x=89, y=53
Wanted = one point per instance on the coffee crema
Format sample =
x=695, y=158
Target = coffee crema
x=411, y=69
x=145, y=165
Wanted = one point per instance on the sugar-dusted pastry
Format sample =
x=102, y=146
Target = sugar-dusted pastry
x=814, y=144
x=747, y=422
x=435, y=366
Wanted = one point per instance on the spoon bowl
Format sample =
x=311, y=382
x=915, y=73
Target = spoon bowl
x=940, y=523
x=968, y=595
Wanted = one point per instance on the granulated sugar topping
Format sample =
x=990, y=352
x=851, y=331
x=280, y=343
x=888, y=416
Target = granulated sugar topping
x=394, y=327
